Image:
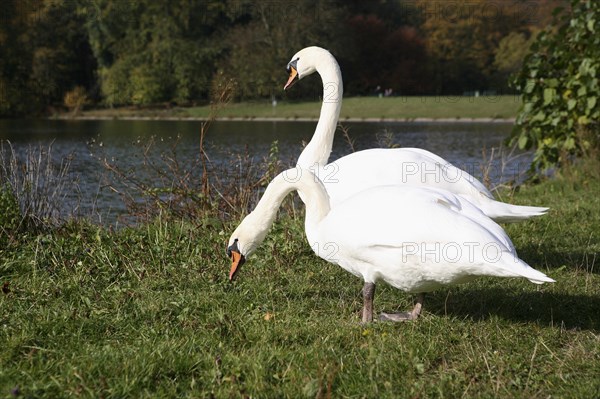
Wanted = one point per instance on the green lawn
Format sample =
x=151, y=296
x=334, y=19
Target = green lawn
x=387, y=107
x=353, y=107
x=148, y=312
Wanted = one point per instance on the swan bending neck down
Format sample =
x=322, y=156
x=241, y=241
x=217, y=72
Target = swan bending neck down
x=413, y=238
x=363, y=169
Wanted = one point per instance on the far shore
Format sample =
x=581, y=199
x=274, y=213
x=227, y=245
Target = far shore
x=500, y=109
x=279, y=119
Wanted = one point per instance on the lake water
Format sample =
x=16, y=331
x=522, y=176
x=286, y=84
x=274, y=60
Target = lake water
x=121, y=142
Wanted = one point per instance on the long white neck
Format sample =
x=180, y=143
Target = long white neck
x=311, y=191
x=317, y=151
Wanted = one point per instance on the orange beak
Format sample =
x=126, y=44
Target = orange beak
x=292, y=78
x=237, y=260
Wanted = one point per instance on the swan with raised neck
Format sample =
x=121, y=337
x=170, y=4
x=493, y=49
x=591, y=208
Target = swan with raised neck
x=353, y=173
x=303, y=63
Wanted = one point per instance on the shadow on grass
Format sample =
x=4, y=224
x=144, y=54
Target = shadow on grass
x=548, y=256
x=569, y=311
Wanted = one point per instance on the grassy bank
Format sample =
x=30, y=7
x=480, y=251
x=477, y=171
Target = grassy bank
x=148, y=312
x=499, y=107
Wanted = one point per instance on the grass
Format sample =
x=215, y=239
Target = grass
x=354, y=107
x=148, y=312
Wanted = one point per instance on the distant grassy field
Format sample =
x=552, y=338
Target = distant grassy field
x=353, y=107
x=148, y=312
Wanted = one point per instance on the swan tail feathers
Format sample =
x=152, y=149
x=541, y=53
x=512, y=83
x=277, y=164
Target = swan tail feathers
x=508, y=213
x=515, y=267
x=543, y=280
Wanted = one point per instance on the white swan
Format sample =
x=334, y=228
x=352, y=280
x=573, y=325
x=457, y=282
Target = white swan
x=413, y=238
x=355, y=172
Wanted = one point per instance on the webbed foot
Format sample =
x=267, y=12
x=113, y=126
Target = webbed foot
x=405, y=316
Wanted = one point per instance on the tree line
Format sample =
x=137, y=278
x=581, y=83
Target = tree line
x=144, y=52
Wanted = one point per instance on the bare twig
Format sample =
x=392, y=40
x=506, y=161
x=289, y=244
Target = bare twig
x=345, y=132
x=495, y=167
x=166, y=183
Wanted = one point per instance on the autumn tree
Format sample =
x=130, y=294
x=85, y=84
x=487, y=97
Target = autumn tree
x=462, y=39
x=385, y=56
x=44, y=54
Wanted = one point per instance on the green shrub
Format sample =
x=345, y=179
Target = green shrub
x=148, y=85
x=125, y=83
x=560, y=88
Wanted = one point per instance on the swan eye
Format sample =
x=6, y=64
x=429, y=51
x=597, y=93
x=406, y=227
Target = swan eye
x=233, y=247
x=293, y=64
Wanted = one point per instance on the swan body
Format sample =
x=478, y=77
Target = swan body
x=416, y=239
x=363, y=169
x=414, y=167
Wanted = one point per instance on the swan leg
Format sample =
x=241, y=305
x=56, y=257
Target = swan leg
x=405, y=316
x=368, y=295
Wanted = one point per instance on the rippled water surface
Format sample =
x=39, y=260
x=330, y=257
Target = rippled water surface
x=122, y=143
